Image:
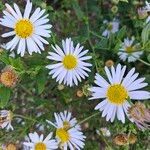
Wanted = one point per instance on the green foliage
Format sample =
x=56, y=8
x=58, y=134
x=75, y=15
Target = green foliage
x=36, y=91
x=146, y=36
x=5, y=94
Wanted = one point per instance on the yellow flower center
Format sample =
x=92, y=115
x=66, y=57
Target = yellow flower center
x=40, y=146
x=129, y=49
x=24, y=28
x=110, y=26
x=69, y=62
x=117, y=94
x=66, y=125
x=63, y=135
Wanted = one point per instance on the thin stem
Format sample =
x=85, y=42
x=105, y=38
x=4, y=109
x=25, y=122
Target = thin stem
x=88, y=118
x=89, y=39
x=102, y=136
x=90, y=43
x=95, y=34
x=144, y=62
x=26, y=90
x=24, y=117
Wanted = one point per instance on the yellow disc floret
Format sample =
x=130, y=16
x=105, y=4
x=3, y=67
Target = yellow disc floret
x=117, y=94
x=40, y=146
x=110, y=27
x=69, y=62
x=24, y=28
x=63, y=135
x=129, y=49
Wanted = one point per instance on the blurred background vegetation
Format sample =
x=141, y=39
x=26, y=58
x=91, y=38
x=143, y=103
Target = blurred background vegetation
x=36, y=97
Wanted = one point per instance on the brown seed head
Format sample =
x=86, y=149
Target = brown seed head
x=8, y=77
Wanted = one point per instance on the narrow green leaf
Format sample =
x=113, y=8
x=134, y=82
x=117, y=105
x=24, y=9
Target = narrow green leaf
x=78, y=10
x=146, y=34
x=121, y=33
x=124, y=1
x=4, y=96
x=41, y=81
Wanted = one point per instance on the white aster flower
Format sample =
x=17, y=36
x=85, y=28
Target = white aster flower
x=117, y=91
x=71, y=67
x=129, y=51
x=36, y=142
x=112, y=27
x=5, y=119
x=28, y=30
x=148, y=10
x=68, y=134
x=66, y=119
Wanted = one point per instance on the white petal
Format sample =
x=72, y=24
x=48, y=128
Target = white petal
x=17, y=10
x=141, y=95
x=28, y=9
x=8, y=34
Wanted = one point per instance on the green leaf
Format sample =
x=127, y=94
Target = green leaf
x=148, y=57
x=121, y=32
x=4, y=58
x=146, y=34
x=41, y=81
x=4, y=96
x=124, y=1
x=17, y=63
x=78, y=10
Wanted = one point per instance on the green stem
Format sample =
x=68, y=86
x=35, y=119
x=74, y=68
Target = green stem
x=102, y=136
x=92, y=47
x=24, y=117
x=89, y=39
x=144, y=62
x=88, y=118
x=26, y=90
x=95, y=34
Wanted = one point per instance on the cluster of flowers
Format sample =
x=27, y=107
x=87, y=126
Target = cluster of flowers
x=29, y=33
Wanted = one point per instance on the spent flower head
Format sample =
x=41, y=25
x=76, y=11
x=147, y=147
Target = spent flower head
x=8, y=77
x=6, y=117
x=140, y=115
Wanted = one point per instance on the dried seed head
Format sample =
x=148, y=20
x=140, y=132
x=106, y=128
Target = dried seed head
x=60, y=87
x=114, y=9
x=8, y=77
x=120, y=139
x=140, y=115
x=80, y=93
x=109, y=63
x=11, y=147
x=142, y=12
x=6, y=117
x=132, y=138
x=85, y=90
